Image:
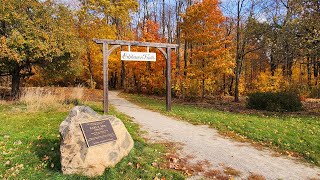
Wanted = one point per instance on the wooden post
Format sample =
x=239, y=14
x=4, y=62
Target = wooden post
x=105, y=78
x=168, y=79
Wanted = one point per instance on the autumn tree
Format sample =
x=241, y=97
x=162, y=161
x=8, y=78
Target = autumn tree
x=91, y=26
x=33, y=34
x=147, y=77
x=102, y=19
x=209, y=56
x=309, y=14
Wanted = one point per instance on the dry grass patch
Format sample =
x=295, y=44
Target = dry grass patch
x=256, y=177
x=231, y=171
x=2, y=102
x=37, y=99
x=77, y=92
x=216, y=174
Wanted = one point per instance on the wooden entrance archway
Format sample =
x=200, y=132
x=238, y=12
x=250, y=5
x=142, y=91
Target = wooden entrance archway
x=164, y=48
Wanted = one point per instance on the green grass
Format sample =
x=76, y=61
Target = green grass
x=300, y=134
x=38, y=156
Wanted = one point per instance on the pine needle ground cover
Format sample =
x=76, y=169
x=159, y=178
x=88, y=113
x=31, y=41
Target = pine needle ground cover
x=289, y=134
x=29, y=147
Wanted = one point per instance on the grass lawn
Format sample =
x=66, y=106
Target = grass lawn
x=298, y=134
x=29, y=147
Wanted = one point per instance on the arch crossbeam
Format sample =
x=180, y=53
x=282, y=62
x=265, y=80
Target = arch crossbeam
x=135, y=43
x=164, y=48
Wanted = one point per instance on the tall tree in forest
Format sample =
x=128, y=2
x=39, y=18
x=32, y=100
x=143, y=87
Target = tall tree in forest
x=247, y=31
x=33, y=34
x=309, y=32
x=202, y=27
x=238, y=57
x=179, y=4
x=103, y=19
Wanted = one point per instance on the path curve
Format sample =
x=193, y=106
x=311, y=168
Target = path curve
x=204, y=143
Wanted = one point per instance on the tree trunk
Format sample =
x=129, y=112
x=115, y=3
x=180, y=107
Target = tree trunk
x=203, y=80
x=145, y=12
x=238, y=63
x=115, y=80
x=203, y=89
x=224, y=85
x=178, y=35
x=231, y=87
x=273, y=65
x=237, y=80
x=123, y=74
x=92, y=86
x=185, y=58
x=309, y=72
x=163, y=19
x=315, y=70
x=15, y=84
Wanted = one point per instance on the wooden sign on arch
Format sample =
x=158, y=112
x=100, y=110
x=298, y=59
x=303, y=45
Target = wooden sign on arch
x=164, y=48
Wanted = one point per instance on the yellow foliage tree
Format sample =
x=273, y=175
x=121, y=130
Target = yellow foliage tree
x=268, y=83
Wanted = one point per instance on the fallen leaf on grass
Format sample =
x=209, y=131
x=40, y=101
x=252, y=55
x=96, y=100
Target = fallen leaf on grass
x=7, y=163
x=154, y=164
x=45, y=158
x=17, y=142
x=138, y=166
x=188, y=173
x=173, y=159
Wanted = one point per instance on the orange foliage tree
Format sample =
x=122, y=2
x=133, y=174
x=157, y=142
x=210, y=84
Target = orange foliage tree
x=210, y=56
x=147, y=77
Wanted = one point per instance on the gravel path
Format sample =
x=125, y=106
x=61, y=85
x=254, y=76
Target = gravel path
x=205, y=143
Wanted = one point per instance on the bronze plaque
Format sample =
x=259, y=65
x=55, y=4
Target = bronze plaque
x=98, y=132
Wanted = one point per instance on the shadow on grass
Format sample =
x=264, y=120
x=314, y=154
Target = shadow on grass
x=48, y=150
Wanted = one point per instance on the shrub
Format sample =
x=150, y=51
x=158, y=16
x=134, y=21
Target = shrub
x=274, y=101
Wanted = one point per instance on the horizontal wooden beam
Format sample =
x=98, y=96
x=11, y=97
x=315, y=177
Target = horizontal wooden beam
x=135, y=43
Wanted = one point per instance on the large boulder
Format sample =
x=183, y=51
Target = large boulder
x=77, y=158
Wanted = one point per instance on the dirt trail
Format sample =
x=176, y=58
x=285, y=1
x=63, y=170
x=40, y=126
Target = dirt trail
x=204, y=143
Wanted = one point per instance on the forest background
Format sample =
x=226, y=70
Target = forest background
x=229, y=47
